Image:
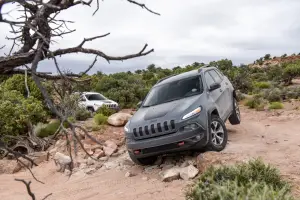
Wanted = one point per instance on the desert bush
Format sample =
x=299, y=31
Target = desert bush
x=276, y=105
x=255, y=102
x=252, y=180
x=273, y=94
x=240, y=95
x=100, y=119
x=46, y=130
x=82, y=114
x=262, y=85
x=105, y=111
x=16, y=111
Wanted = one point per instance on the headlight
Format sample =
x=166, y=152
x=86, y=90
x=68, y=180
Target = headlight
x=194, y=112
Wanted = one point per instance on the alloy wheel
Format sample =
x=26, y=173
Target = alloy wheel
x=217, y=132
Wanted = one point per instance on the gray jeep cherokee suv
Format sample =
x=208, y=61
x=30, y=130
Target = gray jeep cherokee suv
x=183, y=112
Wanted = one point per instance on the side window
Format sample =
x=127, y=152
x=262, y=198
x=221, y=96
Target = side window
x=209, y=80
x=216, y=76
x=220, y=73
x=81, y=98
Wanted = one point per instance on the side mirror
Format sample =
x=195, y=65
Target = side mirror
x=214, y=86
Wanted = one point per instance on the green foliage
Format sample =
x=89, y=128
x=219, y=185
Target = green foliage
x=262, y=85
x=82, y=114
x=255, y=102
x=100, y=119
x=276, y=105
x=291, y=71
x=252, y=180
x=267, y=57
x=105, y=111
x=46, y=130
x=17, y=82
x=273, y=95
x=16, y=112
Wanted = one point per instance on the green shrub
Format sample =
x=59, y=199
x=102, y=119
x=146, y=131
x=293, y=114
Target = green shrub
x=105, y=111
x=254, y=102
x=48, y=129
x=82, y=114
x=262, y=85
x=16, y=112
x=252, y=180
x=100, y=119
x=276, y=105
x=240, y=95
x=273, y=95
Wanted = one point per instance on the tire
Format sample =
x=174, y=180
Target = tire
x=217, y=128
x=143, y=161
x=235, y=117
x=91, y=109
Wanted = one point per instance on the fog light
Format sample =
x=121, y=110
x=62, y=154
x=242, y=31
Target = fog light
x=190, y=127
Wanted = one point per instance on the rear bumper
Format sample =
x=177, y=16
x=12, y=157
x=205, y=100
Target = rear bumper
x=175, y=142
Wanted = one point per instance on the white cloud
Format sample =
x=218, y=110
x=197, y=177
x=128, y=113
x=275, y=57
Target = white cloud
x=186, y=31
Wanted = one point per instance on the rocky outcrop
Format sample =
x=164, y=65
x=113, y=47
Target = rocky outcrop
x=119, y=119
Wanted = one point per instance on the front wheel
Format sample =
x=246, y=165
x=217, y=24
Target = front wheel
x=235, y=117
x=218, y=134
x=143, y=161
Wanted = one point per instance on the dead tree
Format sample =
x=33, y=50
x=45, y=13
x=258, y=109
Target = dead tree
x=34, y=31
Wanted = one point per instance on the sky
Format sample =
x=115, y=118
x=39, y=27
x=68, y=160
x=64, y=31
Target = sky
x=186, y=32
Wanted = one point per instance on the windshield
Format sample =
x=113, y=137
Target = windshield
x=95, y=97
x=174, y=91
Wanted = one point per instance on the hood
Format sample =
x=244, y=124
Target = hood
x=170, y=110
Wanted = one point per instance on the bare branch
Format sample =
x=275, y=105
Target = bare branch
x=143, y=6
x=27, y=184
x=92, y=38
x=90, y=67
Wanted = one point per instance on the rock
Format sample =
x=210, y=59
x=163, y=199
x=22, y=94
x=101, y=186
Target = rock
x=129, y=174
x=103, y=158
x=96, y=147
x=128, y=162
x=89, y=170
x=170, y=175
x=119, y=119
x=149, y=169
x=39, y=157
x=62, y=160
x=111, y=165
x=189, y=172
x=67, y=172
x=53, y=150
x=184, y=164
x=90, y=161
x=167, y=166
x=145, y=178
x=9, y=166
x=110, y=148
x=98, y=153
x=137, y=169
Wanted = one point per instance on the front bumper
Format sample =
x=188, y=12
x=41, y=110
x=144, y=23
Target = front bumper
x=170, y=143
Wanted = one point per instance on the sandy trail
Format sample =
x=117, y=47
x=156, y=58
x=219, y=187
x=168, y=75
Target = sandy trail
x=274, y=138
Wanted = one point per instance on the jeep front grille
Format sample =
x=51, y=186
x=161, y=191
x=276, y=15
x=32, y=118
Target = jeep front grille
x=154, y=130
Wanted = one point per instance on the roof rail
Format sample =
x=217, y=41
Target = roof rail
x=204, y=66
x=164, y=78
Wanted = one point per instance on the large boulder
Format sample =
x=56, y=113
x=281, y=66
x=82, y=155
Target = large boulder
x=170, y=174
x=188, y=172
x=119, y=119
x=109, y=147
x=62, y=161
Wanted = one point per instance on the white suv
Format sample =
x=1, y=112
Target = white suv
x=93, y=101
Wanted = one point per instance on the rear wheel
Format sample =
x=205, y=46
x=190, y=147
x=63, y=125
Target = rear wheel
x=218, y=134
x=235, y=117
x=143, y=161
